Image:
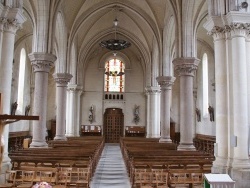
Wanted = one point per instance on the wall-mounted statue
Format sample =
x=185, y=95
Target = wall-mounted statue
x=198, y=114
x=91, y=114
x=211, y=113
x=27, y=110
x=136, y=114
x=13, y=108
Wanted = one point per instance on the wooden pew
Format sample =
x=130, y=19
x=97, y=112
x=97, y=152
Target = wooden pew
x=141, y=154
x=82, y=153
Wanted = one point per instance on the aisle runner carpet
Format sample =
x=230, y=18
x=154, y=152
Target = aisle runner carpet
x=111, y=171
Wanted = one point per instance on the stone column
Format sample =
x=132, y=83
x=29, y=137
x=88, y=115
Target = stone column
x=153, y=112
x=166, y=83
x=73, y=115
x=42, y=63
x=62, y=80
x=221, y=96
x=9, y=25
x=248, y=87
x=78, y=109
x=186, y=68
x=239, y=100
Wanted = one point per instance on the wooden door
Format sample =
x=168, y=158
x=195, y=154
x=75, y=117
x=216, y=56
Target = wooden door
x=113, y=125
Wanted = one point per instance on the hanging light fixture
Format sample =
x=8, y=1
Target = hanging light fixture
x=115, y=44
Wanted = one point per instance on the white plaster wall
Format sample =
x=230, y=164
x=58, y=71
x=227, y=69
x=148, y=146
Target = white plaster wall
x=20, y=125
x=206, y=126
x=51, y=104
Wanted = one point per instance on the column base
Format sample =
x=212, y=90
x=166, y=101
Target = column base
x=241, y=163
x=241, y=177
x=6, y=165
x=69, y=135
x=152, y=136
x=165, y=140
x=58, y=137
x=220, y=166
x=186, y=146
x=38, y=144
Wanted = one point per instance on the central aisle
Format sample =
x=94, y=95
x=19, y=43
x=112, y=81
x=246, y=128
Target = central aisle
x=111, y=171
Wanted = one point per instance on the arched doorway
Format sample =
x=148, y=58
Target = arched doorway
x=113, y=125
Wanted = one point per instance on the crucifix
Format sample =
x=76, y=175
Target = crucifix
x=7, y=119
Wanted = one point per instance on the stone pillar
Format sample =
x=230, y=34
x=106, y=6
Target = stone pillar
x=239, y=100
x=78, y=109
x=9, y=25
x=221, y=96
x=153, y=112
x=248, y=87
x=42, y=63
x=186, y=68
x=73, y=115
x=166, y=83
x=62, y=80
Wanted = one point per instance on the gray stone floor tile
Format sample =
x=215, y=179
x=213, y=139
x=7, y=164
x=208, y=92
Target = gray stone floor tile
x=110, y=171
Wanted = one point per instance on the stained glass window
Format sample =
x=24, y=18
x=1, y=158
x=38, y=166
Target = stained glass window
x=114, y=76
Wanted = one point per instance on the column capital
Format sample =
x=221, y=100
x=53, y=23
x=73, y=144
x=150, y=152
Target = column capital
x=237, y=29
x=74, y=87
x=186, y=66
x=41, y=61
x=62, y=79
x=11, y=18
x=217, y=33
x=152, y=89
x=165, y=81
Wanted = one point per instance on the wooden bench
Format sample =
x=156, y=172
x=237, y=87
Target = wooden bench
x=73, y=153
x=142, y=155
x=135, y=131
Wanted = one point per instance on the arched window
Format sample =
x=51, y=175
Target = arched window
x=21, y=80
x=114, y=76
x=205, y=84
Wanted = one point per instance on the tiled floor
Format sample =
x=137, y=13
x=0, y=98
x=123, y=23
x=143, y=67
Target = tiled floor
x=111, y=171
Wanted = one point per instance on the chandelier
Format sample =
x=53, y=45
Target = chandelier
x=115, y=44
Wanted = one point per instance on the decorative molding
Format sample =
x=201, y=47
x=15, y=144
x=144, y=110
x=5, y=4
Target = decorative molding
x=41, y=66
x=165, y=82
x=150, y=90
x=217, y=33
x=11, y=18
x=42, y=62
x=234, y=29
x=186, y=66
x=62, y=79
x=11, y=25
x=74, y=88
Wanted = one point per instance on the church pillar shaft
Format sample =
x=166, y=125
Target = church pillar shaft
x=248, y=85
x=153, y=112
x=73, y=117
x=166, y=83
x=9, y=26
x=41, y=62
x=62, y=80
x=186, y=68
x=221, y=96
x=240, y=108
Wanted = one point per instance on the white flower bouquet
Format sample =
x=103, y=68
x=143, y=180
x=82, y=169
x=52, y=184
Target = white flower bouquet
x=42, y=185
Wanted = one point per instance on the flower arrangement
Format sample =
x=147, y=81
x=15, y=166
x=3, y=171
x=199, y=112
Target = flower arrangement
x=42, y=185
